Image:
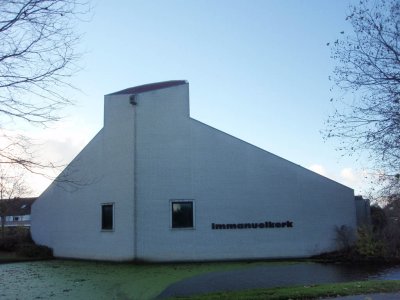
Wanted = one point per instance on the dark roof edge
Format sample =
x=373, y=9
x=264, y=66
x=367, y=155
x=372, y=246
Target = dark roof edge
x=150, y=87
x=20, y=199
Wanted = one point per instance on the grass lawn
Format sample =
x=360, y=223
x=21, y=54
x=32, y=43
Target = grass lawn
x=307, y=292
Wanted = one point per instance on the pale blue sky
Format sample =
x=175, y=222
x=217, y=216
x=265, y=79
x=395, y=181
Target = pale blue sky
x=257, y=70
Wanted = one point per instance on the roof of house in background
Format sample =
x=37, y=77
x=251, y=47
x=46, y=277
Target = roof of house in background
x=150, y=87
x=19, y=206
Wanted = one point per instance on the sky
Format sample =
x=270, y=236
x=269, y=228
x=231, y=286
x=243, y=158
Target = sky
x=258, y=70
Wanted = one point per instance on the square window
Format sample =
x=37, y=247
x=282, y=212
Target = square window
x=107, y=216
x=182, y=214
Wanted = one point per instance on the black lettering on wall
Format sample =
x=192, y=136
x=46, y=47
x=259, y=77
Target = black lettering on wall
x=266, y=224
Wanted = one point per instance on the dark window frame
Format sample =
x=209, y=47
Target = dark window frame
x=107, y=225
x=181, y=223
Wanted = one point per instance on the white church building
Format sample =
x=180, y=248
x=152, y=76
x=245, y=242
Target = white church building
x=156, y=185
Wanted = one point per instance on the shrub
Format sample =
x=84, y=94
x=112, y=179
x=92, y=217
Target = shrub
x=391, y=237
x=9, y=243
x=36, y=251
x=14, y=236
x=368, y=245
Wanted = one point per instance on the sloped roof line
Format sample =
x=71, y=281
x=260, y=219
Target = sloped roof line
x=150, y=87
x=18, y=206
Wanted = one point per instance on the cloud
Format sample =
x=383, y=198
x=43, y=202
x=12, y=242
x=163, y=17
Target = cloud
x=318, y=169
x=58, y=145
x=61, y=143
x=354, y=179
x=347, y=174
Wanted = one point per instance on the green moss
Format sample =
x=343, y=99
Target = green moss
x=97, y=280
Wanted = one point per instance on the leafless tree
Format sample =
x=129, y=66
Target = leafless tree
x=38, y=43
x=368, y=74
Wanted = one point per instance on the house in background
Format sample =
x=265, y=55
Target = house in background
x=16, y=211
x=158, y=185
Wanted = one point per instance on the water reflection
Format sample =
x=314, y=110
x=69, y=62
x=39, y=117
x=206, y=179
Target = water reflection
x=278, y=275
x=391, y=273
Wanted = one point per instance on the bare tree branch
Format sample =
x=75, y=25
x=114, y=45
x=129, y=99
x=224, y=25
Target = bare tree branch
x=38, y=42
x=368, y=66
x=37, y=55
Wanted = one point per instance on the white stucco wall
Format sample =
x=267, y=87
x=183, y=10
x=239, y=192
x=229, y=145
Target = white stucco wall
x=230, y=181
x=67, y=217
x=153, y=152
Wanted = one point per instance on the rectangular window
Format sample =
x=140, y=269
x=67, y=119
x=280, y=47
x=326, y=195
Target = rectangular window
x=107, y=216
x=182, y=214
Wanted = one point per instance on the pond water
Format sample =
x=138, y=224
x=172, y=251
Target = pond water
x=278, y=276
x=62, y=279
